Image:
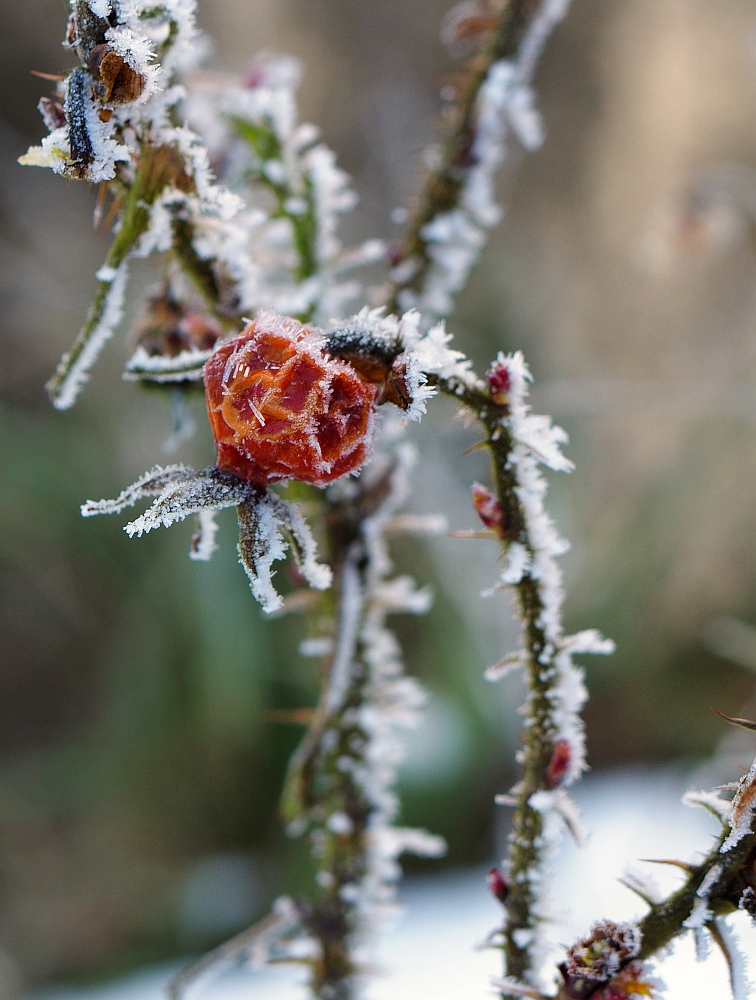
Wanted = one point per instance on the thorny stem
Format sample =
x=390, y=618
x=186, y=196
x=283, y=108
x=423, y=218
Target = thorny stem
x=444, y=184
x=524, y=850
x=317, y=787
x=665, y=920
x=158, y=166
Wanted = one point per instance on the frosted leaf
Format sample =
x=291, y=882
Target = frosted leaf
x=203, y=540
x=588, y=641
x=742, y=809
x=304, y=547
x=261, y=544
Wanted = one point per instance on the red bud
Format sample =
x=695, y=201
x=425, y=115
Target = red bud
x=559, y=764
x=488, y=508
x=499, y=382
x=498, y=884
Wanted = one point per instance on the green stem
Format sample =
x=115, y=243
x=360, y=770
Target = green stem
x=157, y=167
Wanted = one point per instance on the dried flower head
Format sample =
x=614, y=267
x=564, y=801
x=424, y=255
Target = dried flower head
x=596, y=960
x=280, y=408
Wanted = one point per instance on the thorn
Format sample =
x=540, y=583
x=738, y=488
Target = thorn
x=638, y=891
x=47, y=76
x=742, y=723
x=293, y=716
x=488, y=535
x=668, y=861
x=102, y=193
x=475, y=447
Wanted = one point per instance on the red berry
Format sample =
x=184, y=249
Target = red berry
x=499, y=382
x=488, y=508
x=280, y=408
x=559, y=764
x=498, y=884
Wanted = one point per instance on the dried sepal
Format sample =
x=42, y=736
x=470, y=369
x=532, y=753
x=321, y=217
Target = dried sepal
x=262, y=521
x=263, y=518
x=210, y=489
x=150, y=484
x=203, y=540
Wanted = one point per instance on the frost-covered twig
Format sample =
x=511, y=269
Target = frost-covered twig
x=553, y=755
x=116, y=120
x=612, y=960
x=340, y=785
x=457, y=205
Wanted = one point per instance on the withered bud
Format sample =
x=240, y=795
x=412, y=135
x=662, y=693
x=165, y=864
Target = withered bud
x=499, y=382
x=167, y=328
x=559, y=764
x=376, y=360
x=52, y=113
x=593, y=961
x=498, y=884
x=488, y=508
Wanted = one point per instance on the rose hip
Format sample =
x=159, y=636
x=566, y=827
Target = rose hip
x=280, y=408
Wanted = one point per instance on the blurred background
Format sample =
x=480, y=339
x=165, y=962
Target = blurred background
x=139, y=773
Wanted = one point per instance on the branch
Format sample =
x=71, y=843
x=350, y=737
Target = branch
x=487, y=103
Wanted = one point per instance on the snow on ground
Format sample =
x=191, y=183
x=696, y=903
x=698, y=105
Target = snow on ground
x=431, y=954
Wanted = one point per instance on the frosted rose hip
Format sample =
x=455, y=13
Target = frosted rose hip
x=280, y=408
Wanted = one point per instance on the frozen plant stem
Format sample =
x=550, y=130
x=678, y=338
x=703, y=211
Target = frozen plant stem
x=555, y=691
x=444, y=186
x=339, y=790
